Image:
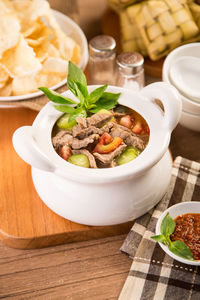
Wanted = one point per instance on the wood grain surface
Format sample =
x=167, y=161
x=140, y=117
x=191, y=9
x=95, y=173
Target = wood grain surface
x=89, y=270
x=92, y=270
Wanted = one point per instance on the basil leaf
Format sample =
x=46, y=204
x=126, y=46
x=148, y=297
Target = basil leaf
x=64, y=108
x=55, y=97
x=78, y=112
x=167, y=226
x=90, y=106
x=181, y=249
x=79, y=94
x=72, y=87
x=110, y=96
x=79, y=90
x=75, y=75
x=97, y=93
x=107, y=101
x=82, y=89
x=99, y=106
x=159, y=238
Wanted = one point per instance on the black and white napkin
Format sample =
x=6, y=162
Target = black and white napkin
x=154, y=275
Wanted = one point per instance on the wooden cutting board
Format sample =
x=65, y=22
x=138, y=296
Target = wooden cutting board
x=111, y=26
x=25, y=221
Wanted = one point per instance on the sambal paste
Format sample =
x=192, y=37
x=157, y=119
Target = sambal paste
x=188, y=230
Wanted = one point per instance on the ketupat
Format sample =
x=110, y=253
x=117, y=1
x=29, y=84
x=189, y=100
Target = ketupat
x=119, y=4
x=195, y=10
x=155, y=27
x=131, y=38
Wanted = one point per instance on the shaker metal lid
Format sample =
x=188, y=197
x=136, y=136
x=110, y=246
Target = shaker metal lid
x=130, y=62
x=102, y=43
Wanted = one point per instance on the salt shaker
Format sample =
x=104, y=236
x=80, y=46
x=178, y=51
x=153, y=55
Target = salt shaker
x=130, y=71
x=101, y=66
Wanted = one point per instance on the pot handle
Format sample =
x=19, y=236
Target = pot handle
x=170, y=99
x=27, y=149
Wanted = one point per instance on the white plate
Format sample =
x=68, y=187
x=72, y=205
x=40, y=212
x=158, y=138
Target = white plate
x=73, y=30
x=175, y=211
x=7, y=106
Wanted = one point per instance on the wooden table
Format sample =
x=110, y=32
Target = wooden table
x=88, y=270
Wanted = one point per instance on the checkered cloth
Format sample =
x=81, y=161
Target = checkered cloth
x=154, y=275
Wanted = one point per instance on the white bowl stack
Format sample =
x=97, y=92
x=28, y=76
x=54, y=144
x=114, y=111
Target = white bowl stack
x=190, y=117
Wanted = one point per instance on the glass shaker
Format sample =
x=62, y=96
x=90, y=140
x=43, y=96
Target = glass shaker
x=101, y=66
x=130, y=71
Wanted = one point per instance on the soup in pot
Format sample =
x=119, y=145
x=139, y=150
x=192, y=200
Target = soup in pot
x=102, y=140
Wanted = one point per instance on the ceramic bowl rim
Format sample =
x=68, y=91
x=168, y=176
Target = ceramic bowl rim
x=189, y=114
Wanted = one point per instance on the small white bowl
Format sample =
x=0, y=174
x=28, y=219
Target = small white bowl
x=192, y=49
x=175, y=211
x=71, y=29
x=191, y=121
x=184, y=73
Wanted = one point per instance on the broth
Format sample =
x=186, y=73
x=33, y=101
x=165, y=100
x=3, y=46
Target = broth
x=102, y=140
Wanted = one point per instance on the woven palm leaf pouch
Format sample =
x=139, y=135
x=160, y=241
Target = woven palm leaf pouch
x=119, y=4
x=155, y=27
x=195, y=10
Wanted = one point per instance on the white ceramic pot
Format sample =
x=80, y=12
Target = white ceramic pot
x=104, y=196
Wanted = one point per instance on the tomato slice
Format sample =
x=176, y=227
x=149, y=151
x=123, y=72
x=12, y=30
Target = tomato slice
x=137, y=128
x=105, y=139
x=126, y=121
x=107, y=144
x=65, y=152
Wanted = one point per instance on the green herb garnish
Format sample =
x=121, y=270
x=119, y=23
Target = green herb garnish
x=177, y=247
x=77, y=84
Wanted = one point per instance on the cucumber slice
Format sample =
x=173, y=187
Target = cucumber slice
x=128, y=155
x=62, y=122
x=105, y=111
x=122, y=109
x=80, y=160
